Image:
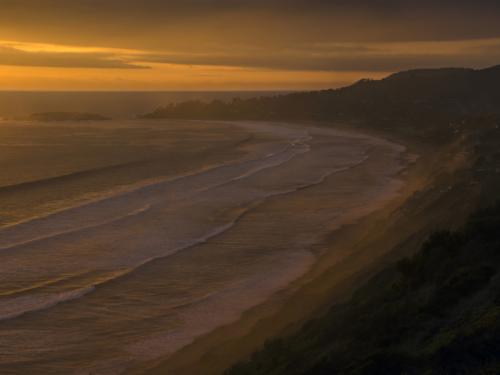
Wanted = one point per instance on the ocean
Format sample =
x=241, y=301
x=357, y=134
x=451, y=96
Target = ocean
x=123, y=241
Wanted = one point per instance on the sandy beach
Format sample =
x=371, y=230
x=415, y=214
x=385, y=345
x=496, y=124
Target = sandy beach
x=348, y=255
x=152, y=268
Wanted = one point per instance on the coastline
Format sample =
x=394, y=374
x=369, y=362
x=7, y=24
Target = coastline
x=320, y=177
x=370, y=242
x=283, y=310
x=308, y=210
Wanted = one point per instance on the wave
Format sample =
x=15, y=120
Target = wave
x=138, y=189
x=36, y=286
x=12, y=308
x=258, y=169
x=71, y=176
x=52, y=300
x=18, y=306
x=22, y=305
x=77, y=230
x=84, y=173
x=299, y=142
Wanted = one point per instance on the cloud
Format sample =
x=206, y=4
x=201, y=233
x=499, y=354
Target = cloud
x=322, y=56
x=291, y=39
x=376, y=57
x=156, y=24
x=18, y=57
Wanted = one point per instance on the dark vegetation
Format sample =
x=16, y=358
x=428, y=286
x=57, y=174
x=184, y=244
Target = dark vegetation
x=66, y=116
x=435, y=313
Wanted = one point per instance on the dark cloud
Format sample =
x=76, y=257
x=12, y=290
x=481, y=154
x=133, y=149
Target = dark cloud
x=157, y=24
x=308, y=35
x=375, y=57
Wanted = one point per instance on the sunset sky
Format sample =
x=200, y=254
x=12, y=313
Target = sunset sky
x=236, y=44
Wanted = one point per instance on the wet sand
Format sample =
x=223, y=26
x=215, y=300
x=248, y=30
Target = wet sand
x=163, y=254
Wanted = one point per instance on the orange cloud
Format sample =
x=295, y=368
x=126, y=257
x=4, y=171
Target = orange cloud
x=49, y=66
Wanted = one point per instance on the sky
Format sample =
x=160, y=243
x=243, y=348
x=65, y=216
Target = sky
x=236, y=44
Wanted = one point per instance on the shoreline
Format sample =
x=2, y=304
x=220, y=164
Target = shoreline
x=287, y=309
x=337, y=174
x=275, y=269
x=393, y=231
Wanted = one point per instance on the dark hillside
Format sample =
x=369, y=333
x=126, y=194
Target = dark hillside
x=435, y=313
x=421, y=97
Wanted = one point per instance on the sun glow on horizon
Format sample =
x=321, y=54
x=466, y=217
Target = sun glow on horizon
x=133, y=71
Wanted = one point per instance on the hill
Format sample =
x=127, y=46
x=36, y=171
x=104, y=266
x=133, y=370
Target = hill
x=409, y=97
